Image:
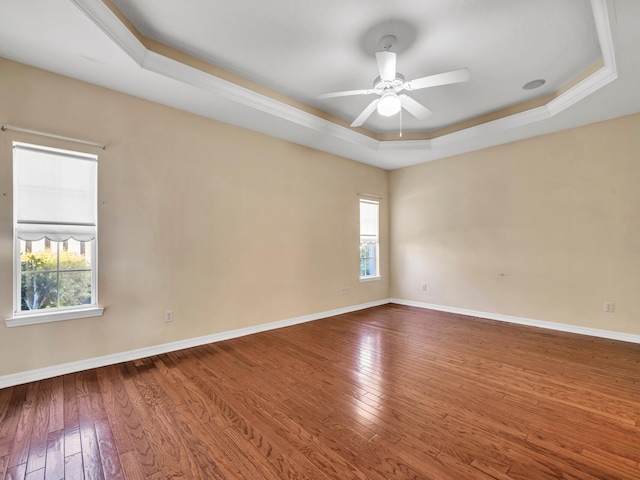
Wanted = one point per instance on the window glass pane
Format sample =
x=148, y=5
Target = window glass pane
x=39, y=290
x=367, y=259
x=369, y=229
x=75, y=288
x=39, y=255
x=75, y=255
x=370, y=267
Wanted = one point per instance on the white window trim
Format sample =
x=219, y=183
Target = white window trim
x=58, y=315
x=376, y=276
x=35, y=317
x=372, y=278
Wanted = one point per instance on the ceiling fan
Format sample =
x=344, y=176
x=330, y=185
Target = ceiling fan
x=390, y=83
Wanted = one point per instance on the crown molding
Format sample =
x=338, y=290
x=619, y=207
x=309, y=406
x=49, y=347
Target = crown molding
x=160, y=64
x=111, y=25
x=582, y=90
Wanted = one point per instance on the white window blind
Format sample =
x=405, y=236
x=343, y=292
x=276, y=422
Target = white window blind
x=368, y=221
x=55, y=194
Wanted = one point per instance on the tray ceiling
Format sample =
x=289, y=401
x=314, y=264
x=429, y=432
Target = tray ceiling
x=261, y=65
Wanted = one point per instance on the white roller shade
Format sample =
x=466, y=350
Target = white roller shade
x=55, y=194
x=368, y=221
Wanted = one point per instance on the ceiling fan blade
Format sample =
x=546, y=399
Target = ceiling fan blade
x=366, y=113
x=446, y=78
x=345, y=93
x=414, y=108
x=386, y=65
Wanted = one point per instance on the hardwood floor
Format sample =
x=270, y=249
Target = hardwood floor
x=391, y=392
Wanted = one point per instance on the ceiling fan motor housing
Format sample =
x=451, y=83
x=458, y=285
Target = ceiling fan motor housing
x=381, y=86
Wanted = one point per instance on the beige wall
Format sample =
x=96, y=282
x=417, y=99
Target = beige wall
x=226, y=227
x=547, y=228
x=229, y=228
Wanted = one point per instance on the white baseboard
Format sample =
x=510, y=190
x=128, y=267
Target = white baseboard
x=562, y=327
x=71, y=367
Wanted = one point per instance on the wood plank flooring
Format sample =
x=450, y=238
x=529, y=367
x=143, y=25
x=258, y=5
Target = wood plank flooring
x=391, y=392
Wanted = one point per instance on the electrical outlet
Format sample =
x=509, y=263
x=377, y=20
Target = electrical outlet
x=345, y=290
x=168, y=316
x=609, y=307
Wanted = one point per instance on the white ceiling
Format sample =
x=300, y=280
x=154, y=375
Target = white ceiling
x=302, y=48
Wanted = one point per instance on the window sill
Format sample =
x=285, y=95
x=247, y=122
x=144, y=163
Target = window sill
x=370, y=279
x=36, y=318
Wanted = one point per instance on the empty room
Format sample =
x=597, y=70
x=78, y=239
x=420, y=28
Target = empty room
x=320, y=239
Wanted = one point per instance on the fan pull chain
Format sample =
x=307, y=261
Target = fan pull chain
x=400, y=122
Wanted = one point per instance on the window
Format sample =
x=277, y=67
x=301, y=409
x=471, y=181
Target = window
x=55, y=203
x=369, y=244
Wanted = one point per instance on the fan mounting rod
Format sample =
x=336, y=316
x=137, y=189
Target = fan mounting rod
x=387, y=42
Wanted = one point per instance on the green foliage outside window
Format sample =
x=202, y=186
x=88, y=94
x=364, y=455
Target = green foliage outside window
x=367, y=260
x=52, y=280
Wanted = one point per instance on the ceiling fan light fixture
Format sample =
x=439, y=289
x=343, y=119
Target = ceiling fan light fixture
x=389, y=105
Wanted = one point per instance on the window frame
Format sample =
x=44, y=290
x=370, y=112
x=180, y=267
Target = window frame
x=376, y=276
x=45, y=315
